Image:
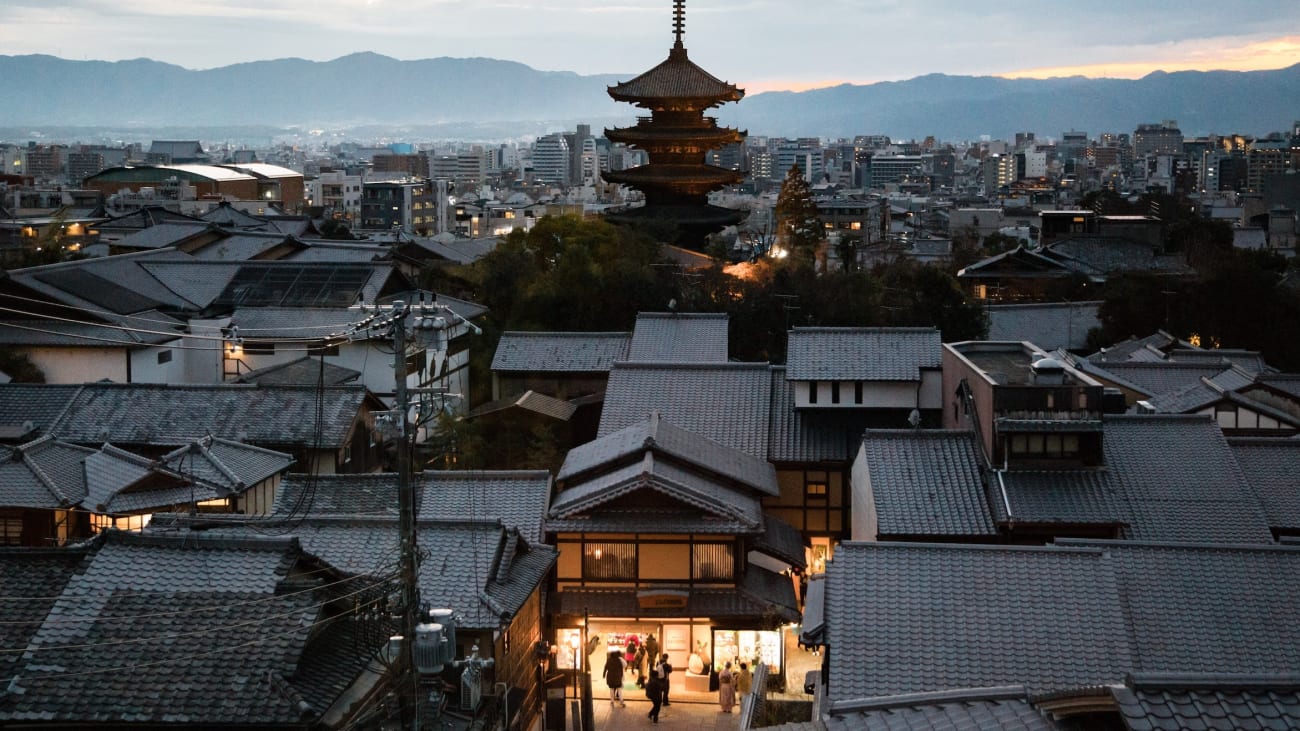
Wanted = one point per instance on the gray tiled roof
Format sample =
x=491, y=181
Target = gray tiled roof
x=1049, y=325
x=1181, y=480
x=1208, y=702
x=1146, y=485
x=679, y=338
x=170, y=415
x=461, y=569
x=1250, y=361
x=141, y=596
x=1153, y=378
x=554, y=352
x=1272, y=468
x=40, y=404
x=812, y=435
x=862, y=353
x=116, y=280
x=727, y=403
x=1160, y=340
x=926, y=483
x=33, y=580
x=975, y=709
x=518, y=498
x=244, y=246
x=665, y=438
x=530, y=402
x=1199, y=608
x=44, y=473
x=295, y=322
x=1285, y=382
x=228, y=466
x=105, y=330
x=163, y=235
x=304, y=371
x=911, y=618
x=694, y=502
x=781, y=540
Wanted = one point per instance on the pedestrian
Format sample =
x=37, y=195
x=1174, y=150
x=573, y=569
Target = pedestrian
x=667, y=671
x=726, y=689
x=639, y=665
x=614, y=667
x=652, y=650
x=744, y=687
x=654, y=691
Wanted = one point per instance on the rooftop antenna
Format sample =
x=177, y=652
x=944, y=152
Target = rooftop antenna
x=679, y=21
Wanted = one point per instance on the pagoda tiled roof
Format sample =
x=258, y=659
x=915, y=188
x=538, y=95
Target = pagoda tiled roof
x=676, y=78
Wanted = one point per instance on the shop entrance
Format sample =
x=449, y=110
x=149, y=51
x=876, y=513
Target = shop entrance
x=694, y=648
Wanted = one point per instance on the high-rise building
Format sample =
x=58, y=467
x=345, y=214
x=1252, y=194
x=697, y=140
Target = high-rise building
x=551, y=160
x=1158, y=139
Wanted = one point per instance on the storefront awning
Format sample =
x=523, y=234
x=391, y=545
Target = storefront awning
x=761, y=597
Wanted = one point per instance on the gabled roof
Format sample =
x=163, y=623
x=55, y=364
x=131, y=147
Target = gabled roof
x=926, y=482
x=231, y=217
x=661, y=436
x=1018, y=262
x=272, y=323
x=556, y=352
x=725, y=402
x=528, y=402
x=667, y=499
x=162, y=235
x=304, y=371
x=115, y=284
x=146, y=217
x=1147, y=485
x=679, y=338
x=138, y=413
x=247, y=246
x=78, y=329
x=1208, y=701
x=1151, y=378
x=927, y=617
x=517, y=498
x=1049, y=325
x=38, y=403
x=1005, y=709
x=144, y=597
x=862, y=353
x=1272, y=467
x=43, y=473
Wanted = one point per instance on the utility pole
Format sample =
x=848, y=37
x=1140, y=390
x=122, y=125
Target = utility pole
x=422, y=317
x=408, y=678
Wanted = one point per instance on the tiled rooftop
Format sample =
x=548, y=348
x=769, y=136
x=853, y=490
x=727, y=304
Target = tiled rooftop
x=861, y=354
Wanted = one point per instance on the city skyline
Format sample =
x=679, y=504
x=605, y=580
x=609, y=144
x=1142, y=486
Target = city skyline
x=760, y=45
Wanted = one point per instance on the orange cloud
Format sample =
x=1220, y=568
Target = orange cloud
x=1274, y=53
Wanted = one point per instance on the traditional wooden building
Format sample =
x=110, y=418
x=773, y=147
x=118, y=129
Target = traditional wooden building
x=677, y=137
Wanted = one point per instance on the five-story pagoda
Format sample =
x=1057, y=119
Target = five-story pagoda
x=677, y=137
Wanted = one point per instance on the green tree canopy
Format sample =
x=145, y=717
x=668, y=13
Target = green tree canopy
x=798, y=228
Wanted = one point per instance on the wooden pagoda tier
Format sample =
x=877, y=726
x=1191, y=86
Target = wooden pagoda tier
x=677, y=138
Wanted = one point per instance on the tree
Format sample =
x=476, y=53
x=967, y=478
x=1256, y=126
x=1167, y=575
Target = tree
x=798, y=227
x=19, y=367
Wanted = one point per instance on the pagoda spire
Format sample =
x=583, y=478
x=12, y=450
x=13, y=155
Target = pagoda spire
x=679, y=22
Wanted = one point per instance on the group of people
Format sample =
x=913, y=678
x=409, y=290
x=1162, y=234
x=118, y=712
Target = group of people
x=656, y=684
x=732, y=684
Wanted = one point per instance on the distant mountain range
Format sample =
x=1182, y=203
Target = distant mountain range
x=488, y=98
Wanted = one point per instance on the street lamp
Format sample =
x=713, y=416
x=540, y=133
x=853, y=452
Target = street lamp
x=574, y=642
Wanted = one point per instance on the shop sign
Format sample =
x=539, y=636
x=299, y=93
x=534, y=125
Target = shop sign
x=662, y=599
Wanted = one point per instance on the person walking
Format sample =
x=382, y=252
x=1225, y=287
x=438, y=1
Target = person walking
x=654, y=690
x=744, y=686
x=726, y=688
x=614, y=668
x=667, y=671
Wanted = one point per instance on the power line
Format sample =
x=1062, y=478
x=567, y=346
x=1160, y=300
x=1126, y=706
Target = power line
x=169, y=333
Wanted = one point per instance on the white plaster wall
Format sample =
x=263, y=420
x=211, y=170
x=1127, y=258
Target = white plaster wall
x=79, y=365
x=866, y=524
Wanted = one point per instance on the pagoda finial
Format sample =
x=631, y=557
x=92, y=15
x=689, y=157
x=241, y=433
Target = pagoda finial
x=679, y=21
